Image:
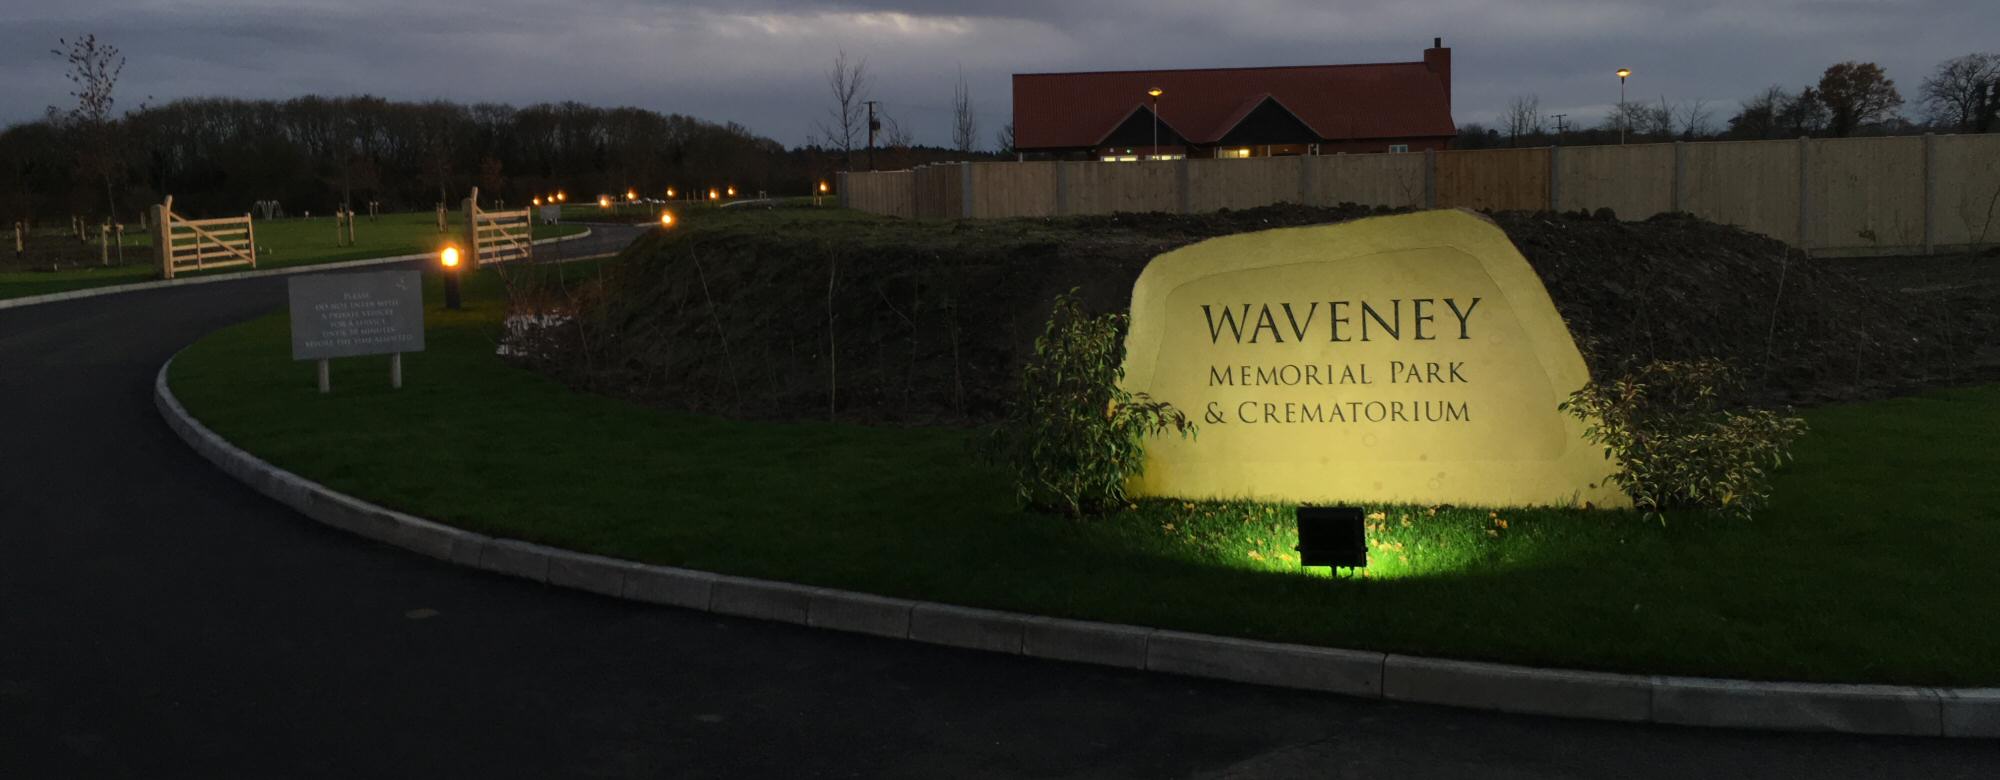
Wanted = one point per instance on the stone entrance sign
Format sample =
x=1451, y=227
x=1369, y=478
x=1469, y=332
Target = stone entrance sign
x=1413, y=358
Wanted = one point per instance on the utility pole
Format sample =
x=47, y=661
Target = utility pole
x=1559, y=127
x=872, y=127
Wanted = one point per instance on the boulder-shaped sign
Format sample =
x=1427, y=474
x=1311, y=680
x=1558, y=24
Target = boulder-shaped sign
x=1412, y=358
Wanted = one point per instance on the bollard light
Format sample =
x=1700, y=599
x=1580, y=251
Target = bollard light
x=822, y=187
x=561, y=196
x=670, y=192
x=666, y=219
x=538, y=201
x=713, y=195
x=732, y=192
x=449, y=259
x=604, y=201
x=631, y=194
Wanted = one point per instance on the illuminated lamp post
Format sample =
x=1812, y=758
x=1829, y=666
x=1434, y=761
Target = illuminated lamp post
x=732, y=192
x=713, y=195
x=448, y=259
x=666, y=219
x=670, y=193
x=821, y=194
x=1623, y=118
x=1156, y=92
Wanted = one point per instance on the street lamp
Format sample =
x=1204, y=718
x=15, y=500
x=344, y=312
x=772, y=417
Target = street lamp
x=1156, y=92
x=449, y=260
x=1623, y=118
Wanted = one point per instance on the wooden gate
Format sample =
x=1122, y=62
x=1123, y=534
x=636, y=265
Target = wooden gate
x=497, y=236
x=198, y=244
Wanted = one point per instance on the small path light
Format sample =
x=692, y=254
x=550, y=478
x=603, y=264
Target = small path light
x=561, y=196
x=666, y=219
x=732, y=192
x=713, y=195
x=1335, y=536
x=631, y=194
x=449, y=260
x=538, y=201
x=670, y=192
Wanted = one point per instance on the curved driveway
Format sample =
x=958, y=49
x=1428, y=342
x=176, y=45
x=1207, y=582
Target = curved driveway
x=159, y=619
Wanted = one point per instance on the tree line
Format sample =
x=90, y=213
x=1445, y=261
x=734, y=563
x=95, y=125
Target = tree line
x=1961, y=95
x=219, y=156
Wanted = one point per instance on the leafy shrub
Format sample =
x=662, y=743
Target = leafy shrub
x=1071, y=435
x=1676, y=446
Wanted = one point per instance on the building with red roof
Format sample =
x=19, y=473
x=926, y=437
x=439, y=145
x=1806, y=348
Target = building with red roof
x=1237, y=112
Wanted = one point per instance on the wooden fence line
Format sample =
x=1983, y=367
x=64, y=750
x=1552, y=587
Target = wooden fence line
x=1896, y=195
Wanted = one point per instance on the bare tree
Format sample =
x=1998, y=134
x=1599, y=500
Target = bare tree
x=894, y=134
x=964, y=123
x=846, y=120
x=93, y=73
x=1004, y=139
x=1693, y=119
x=1524, y=118
x=1952, y=95
x=1758, y=116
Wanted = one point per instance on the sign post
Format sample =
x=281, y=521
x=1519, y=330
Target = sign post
x=344, y=315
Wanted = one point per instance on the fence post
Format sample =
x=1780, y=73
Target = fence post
x=163, y=236
x=1930, y=193
x=1062, y=188
x=104, y=245
x=250, y=238
x=1677, y=200
x=1430, y=179
x=1306, y=179
x=1186, y=193
x=118, y=240
x=20, y=242
x=1805, y=193
x=966, y=190
x=1555, y=178
x=472, y=230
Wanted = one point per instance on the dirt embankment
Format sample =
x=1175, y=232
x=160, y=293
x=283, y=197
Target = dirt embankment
x=802, y=313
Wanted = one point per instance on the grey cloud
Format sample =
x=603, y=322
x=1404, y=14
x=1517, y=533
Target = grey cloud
x=759, y=62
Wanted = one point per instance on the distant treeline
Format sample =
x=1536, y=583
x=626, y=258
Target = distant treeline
x=221, y=156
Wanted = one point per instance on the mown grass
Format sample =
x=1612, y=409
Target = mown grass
x=281, y=243
x=1874, y=564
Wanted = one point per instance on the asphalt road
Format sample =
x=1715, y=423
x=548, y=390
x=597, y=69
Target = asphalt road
x=159, y=619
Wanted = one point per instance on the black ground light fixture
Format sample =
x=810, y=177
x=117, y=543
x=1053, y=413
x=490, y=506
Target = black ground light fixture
x=1333, y=536
x=449, y=260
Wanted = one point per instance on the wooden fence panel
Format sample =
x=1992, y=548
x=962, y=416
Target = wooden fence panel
x=1494, y=179
x=1017, y=189
x=1967, y=172
x=1392, y=180
x=889, y=193
x=1751, y=184
x=1865, y=195
x=1635, y=181
x=1109, y=188
x=1242, y=184
x=939, y=191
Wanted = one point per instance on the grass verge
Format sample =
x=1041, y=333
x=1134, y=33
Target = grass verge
x=281, y=243
x=1872, y=565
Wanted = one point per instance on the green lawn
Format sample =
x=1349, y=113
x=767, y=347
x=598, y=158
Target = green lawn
x=1874, y=564
x=281, y=243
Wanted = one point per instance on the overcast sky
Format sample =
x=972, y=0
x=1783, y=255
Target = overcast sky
x=762, y=62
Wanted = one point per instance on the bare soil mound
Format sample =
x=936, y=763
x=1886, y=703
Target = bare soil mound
x=805, y=313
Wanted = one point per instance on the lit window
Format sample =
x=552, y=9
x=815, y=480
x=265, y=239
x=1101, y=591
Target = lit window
x=1233, y=154
x=1399, y=147
x=1164, y=157
x=1121, y=158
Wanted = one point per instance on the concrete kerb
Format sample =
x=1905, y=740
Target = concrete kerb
x=1857, y=709
x=92, y=292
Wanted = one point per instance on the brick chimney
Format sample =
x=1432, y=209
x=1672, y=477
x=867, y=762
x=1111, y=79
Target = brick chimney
x=1438, y=59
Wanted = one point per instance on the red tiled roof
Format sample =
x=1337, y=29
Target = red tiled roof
x=1339, y=102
